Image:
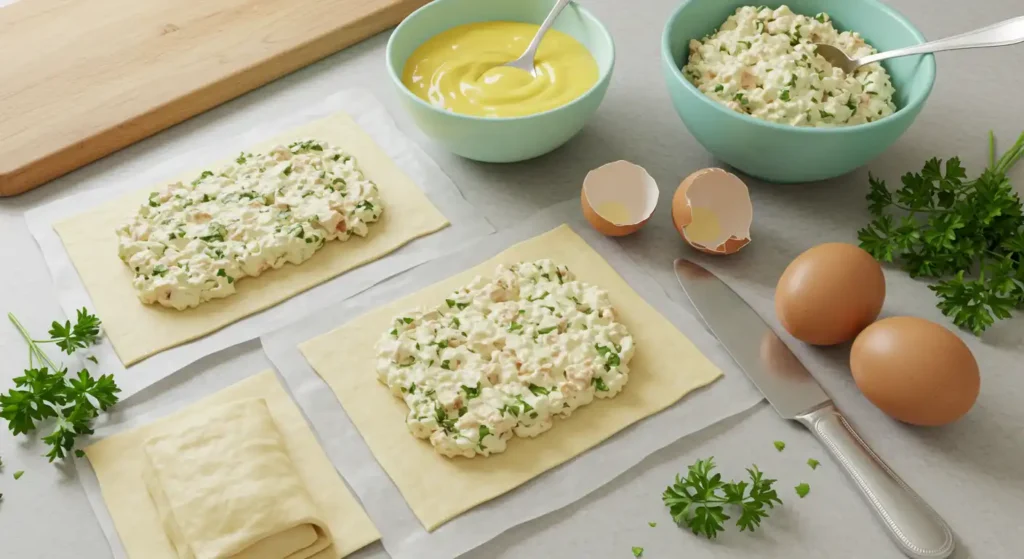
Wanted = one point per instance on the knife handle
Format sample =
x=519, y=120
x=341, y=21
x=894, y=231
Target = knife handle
x=917, y=529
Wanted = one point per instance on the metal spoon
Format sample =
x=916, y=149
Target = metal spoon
x=525, y=62
x=1007, y=32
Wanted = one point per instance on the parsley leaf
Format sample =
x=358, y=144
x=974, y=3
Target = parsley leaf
x=48, y=392
x=83, y=334
x=802, y=490
x=779, y=445
x=699, y=499
x=967, y=235
x=813, y=463
x=638, y=551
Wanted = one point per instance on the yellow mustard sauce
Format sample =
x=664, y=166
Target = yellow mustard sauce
x=460, y=70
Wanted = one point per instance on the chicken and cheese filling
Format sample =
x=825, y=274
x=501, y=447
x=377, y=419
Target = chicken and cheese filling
x=191, y=243
x=503, y=356
x=762, y=62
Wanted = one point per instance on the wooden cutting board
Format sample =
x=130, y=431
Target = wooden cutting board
x=80, y=79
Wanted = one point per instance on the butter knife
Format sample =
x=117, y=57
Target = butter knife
x=789, y=387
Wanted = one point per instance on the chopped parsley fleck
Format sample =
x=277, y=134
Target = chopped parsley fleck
x=202, y=176
x=484, y=431
x=779, y=445
x=471, y=392
x=547, y=330
x=443, y=421
x=538, y=390
x=446, y=365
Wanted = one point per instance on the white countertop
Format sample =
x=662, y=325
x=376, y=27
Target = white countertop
x=970, y=472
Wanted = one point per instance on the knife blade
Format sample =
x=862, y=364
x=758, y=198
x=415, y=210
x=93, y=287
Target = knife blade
x=915, y=527
x=756, y=348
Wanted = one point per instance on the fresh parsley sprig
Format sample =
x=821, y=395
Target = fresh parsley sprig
x=699, y=499
x=46, y=390
x=968, y=235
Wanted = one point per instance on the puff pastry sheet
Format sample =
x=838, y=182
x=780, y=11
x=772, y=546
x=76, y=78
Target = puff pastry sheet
x=238, y=475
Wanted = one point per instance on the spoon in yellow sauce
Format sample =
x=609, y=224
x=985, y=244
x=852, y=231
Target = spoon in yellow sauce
x=526, y=60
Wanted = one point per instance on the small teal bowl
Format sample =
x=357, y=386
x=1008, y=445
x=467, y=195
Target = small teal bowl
x=500, y=140
x=790, y=154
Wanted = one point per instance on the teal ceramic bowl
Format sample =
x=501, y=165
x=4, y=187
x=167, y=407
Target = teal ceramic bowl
x=790, y=154
x=500, y=140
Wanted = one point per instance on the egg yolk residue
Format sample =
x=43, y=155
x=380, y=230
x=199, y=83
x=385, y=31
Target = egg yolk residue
x=615, y=212
x=705, y=227
x=460, y=70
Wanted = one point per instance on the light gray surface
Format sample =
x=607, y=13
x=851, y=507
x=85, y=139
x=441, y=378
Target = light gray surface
x=971, y=472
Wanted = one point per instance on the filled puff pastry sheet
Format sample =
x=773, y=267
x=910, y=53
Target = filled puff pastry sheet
x=138, y=331
x=665, y=367
x=238, y=475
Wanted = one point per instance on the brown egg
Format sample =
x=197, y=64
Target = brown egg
x=915, y=370
x=829, y=293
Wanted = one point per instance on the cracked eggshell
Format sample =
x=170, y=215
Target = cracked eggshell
x=618, y=198
x=711, y=210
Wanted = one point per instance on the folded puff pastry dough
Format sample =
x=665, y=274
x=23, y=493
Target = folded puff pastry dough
x=225, y=487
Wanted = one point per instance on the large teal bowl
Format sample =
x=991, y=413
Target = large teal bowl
x=500, y=140
x=790, y=154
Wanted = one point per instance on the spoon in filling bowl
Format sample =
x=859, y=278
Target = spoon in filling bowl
x=1007, y=32
x=526, y=60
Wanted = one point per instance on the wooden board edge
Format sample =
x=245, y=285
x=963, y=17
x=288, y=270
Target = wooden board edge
x=54, y=165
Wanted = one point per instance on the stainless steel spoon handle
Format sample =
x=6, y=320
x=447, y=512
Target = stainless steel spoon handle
x=1007, y=32
x=525, y=62
x=548, y=22
x=917, y=529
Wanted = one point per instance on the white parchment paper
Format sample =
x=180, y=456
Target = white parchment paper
x=402, y=534
x=467, y=224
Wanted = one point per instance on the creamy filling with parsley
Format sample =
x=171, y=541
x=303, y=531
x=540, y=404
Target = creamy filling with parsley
x=503, y=356
x=762, y=62
x=191, y=243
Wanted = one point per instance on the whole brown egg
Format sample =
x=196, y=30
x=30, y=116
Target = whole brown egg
x=829, y=293
x=915, y=370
